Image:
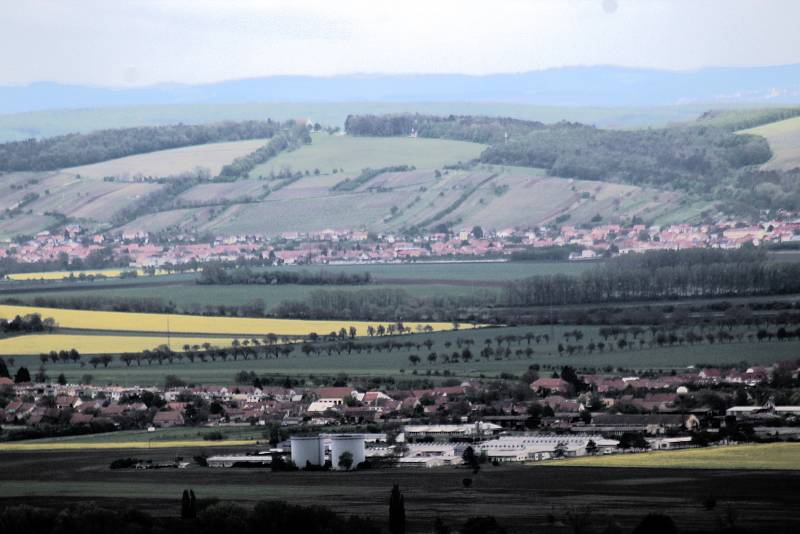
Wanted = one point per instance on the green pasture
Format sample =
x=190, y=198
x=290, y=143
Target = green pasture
x=350, y=154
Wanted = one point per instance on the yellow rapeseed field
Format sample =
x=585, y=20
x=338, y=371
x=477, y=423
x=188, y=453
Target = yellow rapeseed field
x=100, y=344
x=121, y=445
x=760, y=456
x=61, y=275
x=190, y=324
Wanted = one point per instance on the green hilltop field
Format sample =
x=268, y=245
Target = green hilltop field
x=784, y=140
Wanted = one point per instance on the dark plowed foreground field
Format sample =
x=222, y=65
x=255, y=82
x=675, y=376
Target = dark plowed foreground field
x=524, y=499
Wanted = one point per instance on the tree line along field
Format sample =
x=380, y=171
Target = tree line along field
x=205, y=300
x=410, y=356
x=97, y=343
x=447, y=279
x=187, y=324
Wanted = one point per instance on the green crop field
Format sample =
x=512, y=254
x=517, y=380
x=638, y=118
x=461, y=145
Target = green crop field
x=396, y=363
x=352, y=154
x=171, y=162
x=767, y=456
x=417, y=279
x=193, y=296
x=784, y=140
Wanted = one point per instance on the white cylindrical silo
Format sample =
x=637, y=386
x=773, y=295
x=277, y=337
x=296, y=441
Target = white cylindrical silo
x=306, y=451
x=352, y=443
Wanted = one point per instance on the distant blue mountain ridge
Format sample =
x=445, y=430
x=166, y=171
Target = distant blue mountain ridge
x=569, y=86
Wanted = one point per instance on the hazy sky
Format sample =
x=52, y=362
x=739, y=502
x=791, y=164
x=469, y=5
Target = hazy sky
x=137, y=42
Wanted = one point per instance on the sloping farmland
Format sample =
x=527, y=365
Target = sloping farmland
x=163, y=163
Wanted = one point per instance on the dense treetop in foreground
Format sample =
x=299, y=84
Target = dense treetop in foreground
x=203, y=516
x=81, y=149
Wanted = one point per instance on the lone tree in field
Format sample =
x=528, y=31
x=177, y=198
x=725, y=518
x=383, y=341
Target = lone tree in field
x=470, y=458
x=397, y=511
x=346, y=460
x=188, y=505
x=23, y=375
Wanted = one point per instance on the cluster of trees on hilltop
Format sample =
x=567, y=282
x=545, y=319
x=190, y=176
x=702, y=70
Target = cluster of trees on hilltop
x=699, y=159
x=696, y=159
x=292, y=138
x=463, y=127
x=80, y=149
x=217, y=275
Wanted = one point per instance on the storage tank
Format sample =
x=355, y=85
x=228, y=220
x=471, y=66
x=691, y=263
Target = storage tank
x=307, y=450
x=352, y=443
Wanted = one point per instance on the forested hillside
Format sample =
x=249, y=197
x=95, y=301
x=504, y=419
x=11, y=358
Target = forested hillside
x=710, y=158
x=79, y=149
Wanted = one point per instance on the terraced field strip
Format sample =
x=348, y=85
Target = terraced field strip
x=458, y=202
x=170, y=162
x=62, y=275
x=759, y=456
x=190, y=324
x=36, y=344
